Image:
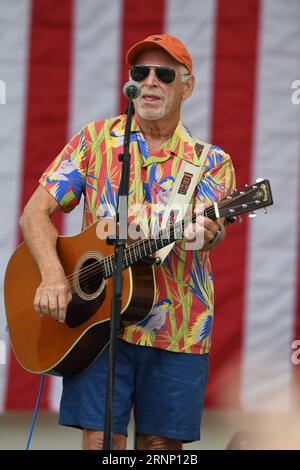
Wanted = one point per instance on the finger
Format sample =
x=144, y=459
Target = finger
x=221, y=220
x=44, y=305
x=208, y=235
x=63, y=300
x=211, y=225
x=36, y=303
x=190, y=231
x=53, y=305
x=196, y=240
x=200, y=219
x=199, y=208
x=199, y=231
x=62, y=311
x=195, y=232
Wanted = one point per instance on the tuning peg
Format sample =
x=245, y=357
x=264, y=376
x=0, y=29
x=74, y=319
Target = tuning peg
x=265, y=210
x=252, y=215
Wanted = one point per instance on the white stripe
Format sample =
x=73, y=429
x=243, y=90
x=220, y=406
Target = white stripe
x=95, y=85
x=194, y=23
x=54, y=393
x=273, y=239
x=96, y=72
x=14, y=25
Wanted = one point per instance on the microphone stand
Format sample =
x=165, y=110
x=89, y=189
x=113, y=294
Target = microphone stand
x=116, y=302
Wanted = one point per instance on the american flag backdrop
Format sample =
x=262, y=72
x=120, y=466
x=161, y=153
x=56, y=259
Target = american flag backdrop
x=62, y=66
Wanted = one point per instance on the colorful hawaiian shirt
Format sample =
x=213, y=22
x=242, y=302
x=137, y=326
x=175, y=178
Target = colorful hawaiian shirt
x=182, y=314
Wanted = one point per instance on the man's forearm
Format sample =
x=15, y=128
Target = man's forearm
x=40, y=236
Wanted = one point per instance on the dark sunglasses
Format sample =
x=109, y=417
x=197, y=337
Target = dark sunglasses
x=167, y=75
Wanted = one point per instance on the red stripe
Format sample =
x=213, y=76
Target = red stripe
x=140, y=19
x=45, y=135
x=232, y=129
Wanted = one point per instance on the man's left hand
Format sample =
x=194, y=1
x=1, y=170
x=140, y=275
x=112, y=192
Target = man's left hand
x=204, y=232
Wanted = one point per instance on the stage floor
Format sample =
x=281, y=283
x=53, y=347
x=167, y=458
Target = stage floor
x=219, y=430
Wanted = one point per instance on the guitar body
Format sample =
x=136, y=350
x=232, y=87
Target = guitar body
x=43, y=345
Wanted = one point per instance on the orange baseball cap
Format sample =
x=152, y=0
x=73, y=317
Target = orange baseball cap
x=172, y=45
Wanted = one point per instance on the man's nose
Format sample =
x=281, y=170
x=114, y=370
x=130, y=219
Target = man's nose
x=152, y=79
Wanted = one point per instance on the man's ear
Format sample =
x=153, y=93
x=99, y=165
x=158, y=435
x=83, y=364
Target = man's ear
x=188, y=87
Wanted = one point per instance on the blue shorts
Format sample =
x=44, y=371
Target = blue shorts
x=166, y=389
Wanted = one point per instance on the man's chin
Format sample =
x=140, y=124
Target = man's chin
x=150, y=115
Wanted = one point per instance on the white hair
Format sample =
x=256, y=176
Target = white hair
x=185, y=74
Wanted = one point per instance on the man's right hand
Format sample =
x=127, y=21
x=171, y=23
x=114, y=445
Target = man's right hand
x=53, y=296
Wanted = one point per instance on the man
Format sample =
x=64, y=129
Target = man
x=162, y=362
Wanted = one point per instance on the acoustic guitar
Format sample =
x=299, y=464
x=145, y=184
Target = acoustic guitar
x=43, y=345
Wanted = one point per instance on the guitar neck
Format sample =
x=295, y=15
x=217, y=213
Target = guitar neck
x=147, y=246
x=250, y=199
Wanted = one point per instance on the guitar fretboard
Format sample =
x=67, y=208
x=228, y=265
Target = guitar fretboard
x=145, y=247
x=248, y=200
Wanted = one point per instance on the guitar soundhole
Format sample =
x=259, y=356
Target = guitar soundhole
x=89, y=282
x=91, y=277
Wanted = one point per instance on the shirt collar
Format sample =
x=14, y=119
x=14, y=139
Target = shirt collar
x=181, y=144
x=117, y=128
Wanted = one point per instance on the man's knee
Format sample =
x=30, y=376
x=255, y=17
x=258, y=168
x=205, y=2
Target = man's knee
x=93, y=440
x=152, y=442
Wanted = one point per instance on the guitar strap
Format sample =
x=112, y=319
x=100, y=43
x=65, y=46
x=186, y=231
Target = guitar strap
x=188, y=177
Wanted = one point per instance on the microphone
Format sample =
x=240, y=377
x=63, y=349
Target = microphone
x=131, y=90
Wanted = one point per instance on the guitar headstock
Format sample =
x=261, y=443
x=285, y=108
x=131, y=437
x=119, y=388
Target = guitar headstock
x=249, y=199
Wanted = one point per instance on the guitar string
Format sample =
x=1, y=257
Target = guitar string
x=132, y=247
x=96, y=271
x=140, y=243
x=99, y=267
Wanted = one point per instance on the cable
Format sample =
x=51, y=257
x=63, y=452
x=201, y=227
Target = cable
x=35, y=411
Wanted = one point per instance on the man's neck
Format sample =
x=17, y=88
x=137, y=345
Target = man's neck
x=157, y=131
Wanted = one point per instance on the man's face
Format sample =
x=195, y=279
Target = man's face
x=159, y=100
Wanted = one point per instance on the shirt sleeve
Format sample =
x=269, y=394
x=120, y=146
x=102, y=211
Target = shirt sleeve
x=65, y=177
x=218, y=179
